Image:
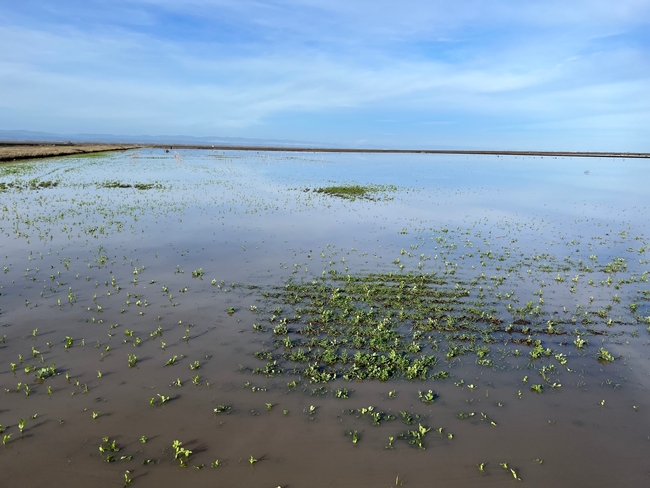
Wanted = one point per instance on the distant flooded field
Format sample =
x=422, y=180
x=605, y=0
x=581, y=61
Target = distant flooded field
x=225, y=318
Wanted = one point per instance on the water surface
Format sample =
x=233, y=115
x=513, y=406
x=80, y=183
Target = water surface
x=151, y=255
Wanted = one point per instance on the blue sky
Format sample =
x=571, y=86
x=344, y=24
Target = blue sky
x=500, y=74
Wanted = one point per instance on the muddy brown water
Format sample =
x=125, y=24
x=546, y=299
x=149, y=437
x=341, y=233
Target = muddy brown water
x=250, y=222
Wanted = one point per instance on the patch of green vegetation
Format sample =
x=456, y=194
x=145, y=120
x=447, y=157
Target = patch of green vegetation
x=16, y=169
x=137, y=186
x=33, y=184
x=352, y=192
x=384, y=326
x=372, y=326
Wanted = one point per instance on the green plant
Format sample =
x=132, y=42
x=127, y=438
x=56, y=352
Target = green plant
x=579, y=342
x=428, y=397
x=355, y=436
x=180, y=453
x=605, y=355
x=512, y=471
x=132, y=360
x=342, y=393
x=46, y=372
x=416, y=437
x=106, y=447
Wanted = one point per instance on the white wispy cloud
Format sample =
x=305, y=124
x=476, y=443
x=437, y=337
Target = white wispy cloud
x=244, y=67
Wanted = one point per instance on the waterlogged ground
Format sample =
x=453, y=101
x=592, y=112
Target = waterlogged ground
x=261, y=320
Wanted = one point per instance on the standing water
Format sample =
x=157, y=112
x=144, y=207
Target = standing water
x=266, y=319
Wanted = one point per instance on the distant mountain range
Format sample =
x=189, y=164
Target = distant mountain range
x=33, y=136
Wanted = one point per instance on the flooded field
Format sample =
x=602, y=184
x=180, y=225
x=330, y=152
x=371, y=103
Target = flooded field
x=214, y=318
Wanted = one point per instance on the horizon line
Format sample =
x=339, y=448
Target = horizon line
x=222, y=147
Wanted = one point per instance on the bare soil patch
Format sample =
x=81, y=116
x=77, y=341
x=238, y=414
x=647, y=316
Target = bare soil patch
x=14, y=152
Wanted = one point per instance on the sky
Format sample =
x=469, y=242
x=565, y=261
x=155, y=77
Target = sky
x=472, y=74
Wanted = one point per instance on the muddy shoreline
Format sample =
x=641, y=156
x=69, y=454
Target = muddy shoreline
x=10, y=151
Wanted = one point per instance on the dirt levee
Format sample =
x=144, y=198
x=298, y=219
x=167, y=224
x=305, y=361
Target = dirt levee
x=14, y=152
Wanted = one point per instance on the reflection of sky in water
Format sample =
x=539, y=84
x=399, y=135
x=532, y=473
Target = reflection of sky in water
x=554, y=195
x=535, y=200
x=472, y=186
